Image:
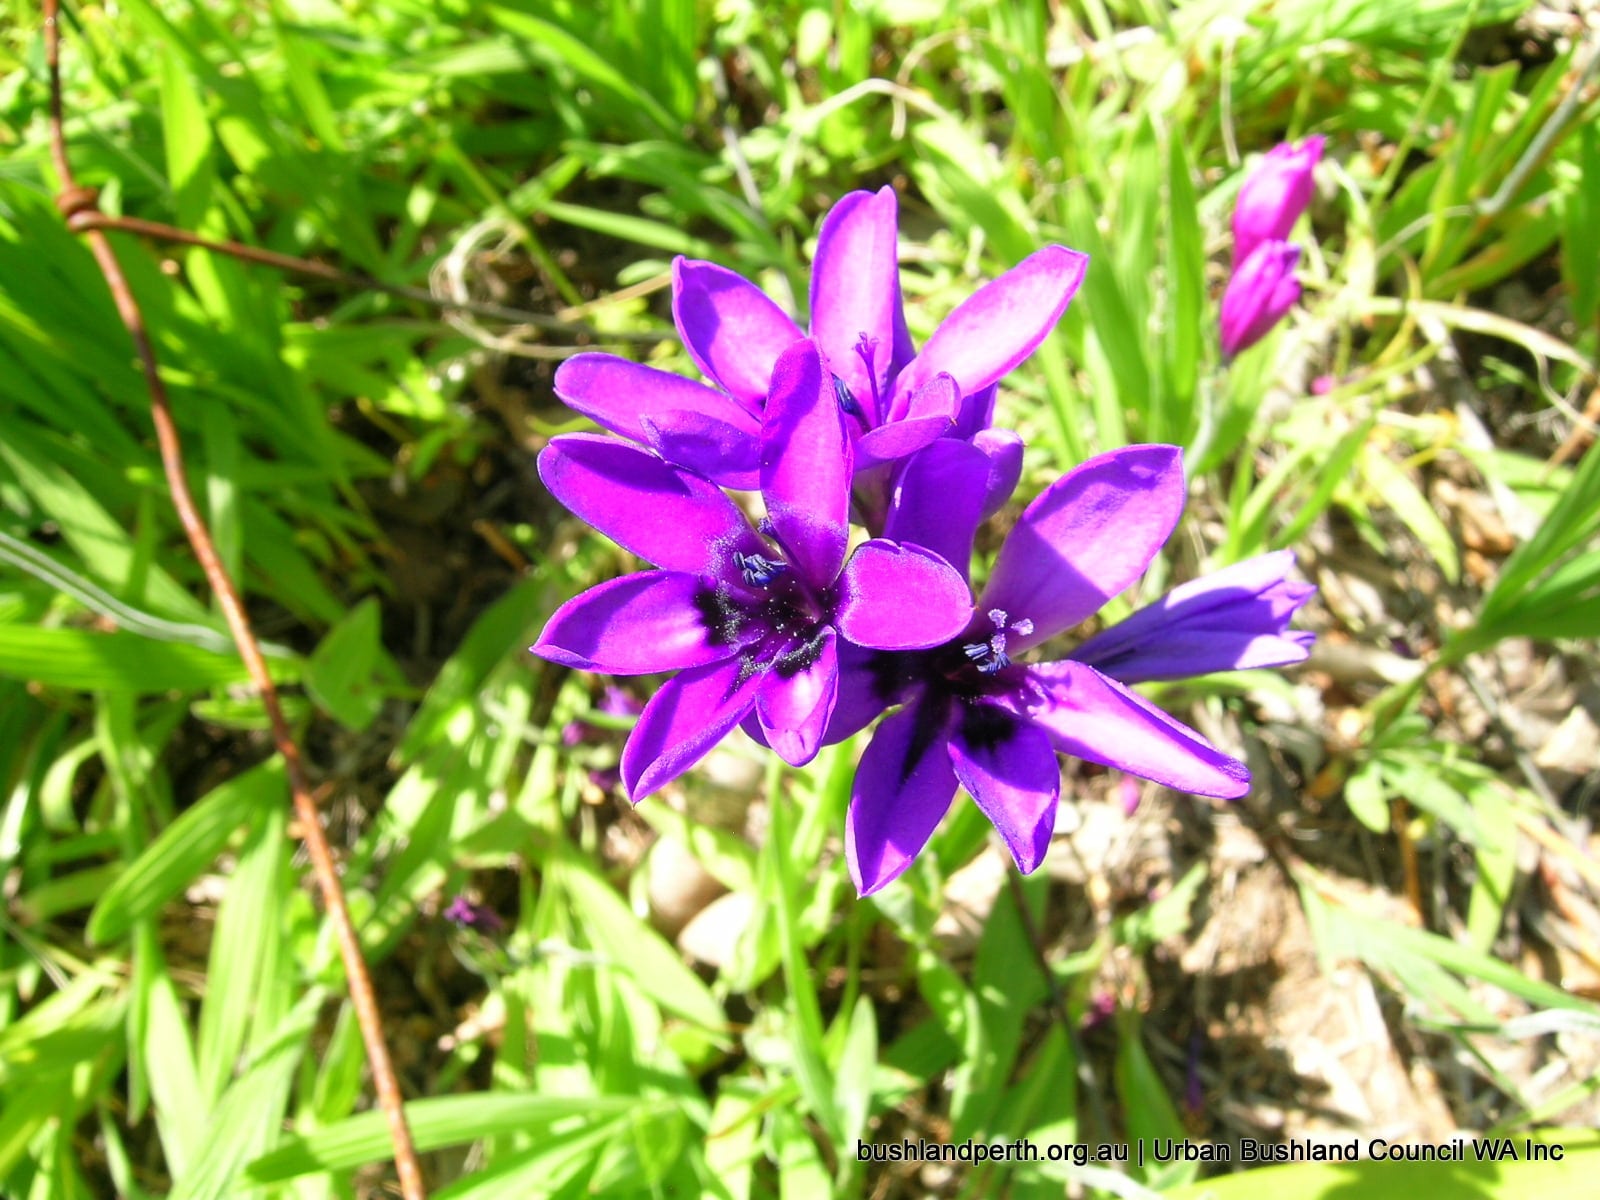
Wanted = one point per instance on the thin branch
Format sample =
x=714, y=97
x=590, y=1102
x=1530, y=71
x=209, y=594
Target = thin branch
x=75, y=201
x=82, y=216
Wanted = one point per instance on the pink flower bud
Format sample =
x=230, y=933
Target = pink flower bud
x=1274, y=196
x=1262, y=290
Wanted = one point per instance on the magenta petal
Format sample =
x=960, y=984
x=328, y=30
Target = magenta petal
x=662, y=513
x=618, y=394
x=976, y=414
x=1000, y=324
x=895, y=597
x=691, y=713
x=1234, y=619
x=855, y=293
x=938, y=501
x=1260, y=294
x=890, y=443
x=902, y=790
x=1097, y=719
x=1009, y=767
x=1004, y=449
x=633, y=626
x=794, y=709
x=1273, y=197
x=731, y=329
x=727, y=453
x=806, y=465
x=1085, y=539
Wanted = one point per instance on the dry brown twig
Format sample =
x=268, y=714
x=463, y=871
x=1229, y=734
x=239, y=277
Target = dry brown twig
x=74, y=202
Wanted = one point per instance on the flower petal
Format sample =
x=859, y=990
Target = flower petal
x=794, y=709
x=618, y=394
x=691, y=713
x=938, y=501
x=634, y=626
x=726, y=452
x=1009, y=767
x=1004, y=449
x=1260, y=294
x=662, y=513
x=900, y=597
x=1275, y=194
x=903, y=788
x=1086, y=538
x=1000, y=324
x=1097, y=719
x=855, y=293
x=977, y=413
x=890, y=443
x=806, y=465
x=1231, y=620
x=731, y=329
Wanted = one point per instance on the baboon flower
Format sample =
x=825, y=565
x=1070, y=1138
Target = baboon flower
x=1259, y=295
x=751, y=621
x=896, y=400
x=974, y=716
x=1274, y=196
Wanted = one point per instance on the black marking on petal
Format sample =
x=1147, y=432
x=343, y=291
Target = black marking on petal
x=985, y=727
x=791, y=662
x=723, y=620
x=931, y=713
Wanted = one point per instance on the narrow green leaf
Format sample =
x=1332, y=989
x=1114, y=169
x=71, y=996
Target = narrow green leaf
x=184, y=849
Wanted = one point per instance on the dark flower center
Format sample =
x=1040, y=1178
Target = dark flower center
x=989, y=656
x=777, y=621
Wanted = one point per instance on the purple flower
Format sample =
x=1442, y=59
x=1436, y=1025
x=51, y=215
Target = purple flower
x=1263, y=289
x=1231, y=620
x=896, y=400
x=751, y=621
x=465, y=913
x=1273, y=197
x=973, y=716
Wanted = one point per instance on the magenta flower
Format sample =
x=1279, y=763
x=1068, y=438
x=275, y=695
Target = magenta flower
x=973, y=716
x=1273, y=197
x=896, y=399
x=752, y=622
x=1262, y=291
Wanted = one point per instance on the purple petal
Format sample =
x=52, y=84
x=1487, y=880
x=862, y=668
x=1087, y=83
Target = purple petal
x=633, y=626
x=1273, y=197
x=731, y=329
x=1097, y=719
x=890, y=443
x=794, y=709
x=1231, y=620
x=727, y=453
x=1000, y=324
x=1262, y=291
x=928, y=413
x=1004, y=449
x=806, y=465
x=977, y=413
x=895, y=597
x=617, y=394
x=660, y=512
x=1010, y=768
x=855, y=293
x=938, y=501
x=1085, y=539
x=691, y=713
x=902, y=789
